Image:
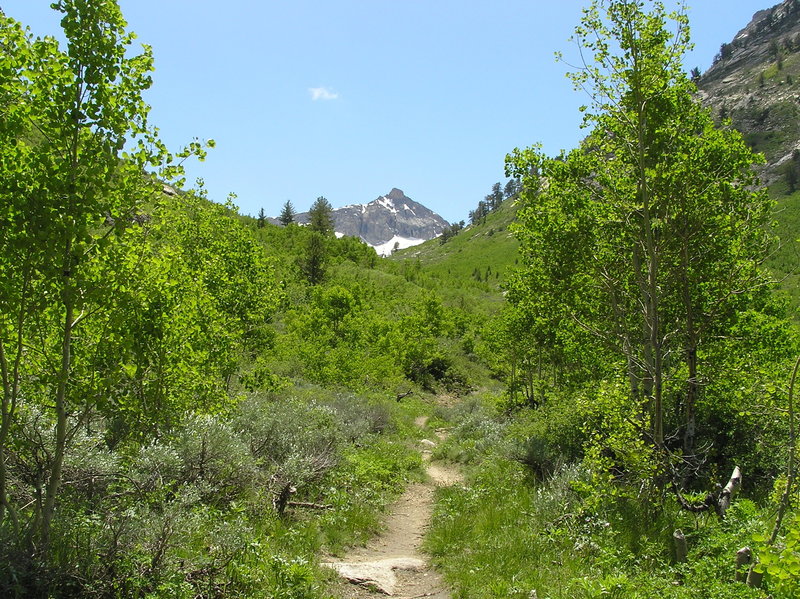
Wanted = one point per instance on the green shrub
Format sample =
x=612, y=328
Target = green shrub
x=293, y=442
x=358, y=417
x=292, y=579
x=478, y=431
x=549, y=436
x=215, y=458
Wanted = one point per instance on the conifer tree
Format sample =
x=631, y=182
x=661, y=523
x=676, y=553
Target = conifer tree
x=510, y=190
x=313, y=262
x=321, y=217
x=287, y=214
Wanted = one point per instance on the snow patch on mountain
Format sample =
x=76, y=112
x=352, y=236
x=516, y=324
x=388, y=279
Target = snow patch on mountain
x=385, y=249
x=387, y=203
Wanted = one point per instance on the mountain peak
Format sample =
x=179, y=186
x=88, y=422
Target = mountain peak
x=388, y=219
x=396, y=194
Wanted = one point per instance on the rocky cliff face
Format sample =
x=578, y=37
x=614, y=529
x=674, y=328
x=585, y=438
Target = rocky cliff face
x=755, y=82
x=392, y=217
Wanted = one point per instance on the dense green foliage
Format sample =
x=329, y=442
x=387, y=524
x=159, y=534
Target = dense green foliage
x=198, y=403
x=642, y=342
x=652, y=251
x=69, y=193
x=140, y=330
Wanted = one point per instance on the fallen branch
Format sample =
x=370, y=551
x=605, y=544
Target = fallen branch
x=720, y=502
x=406, y=394
x=695, y=508
x=311, y=506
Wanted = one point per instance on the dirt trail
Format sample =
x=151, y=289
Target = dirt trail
x=392, y=563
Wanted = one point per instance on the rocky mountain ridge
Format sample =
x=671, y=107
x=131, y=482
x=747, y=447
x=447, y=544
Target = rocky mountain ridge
x=755, y=82
x=386, y=220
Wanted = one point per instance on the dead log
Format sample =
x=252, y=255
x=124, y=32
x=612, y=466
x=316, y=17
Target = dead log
x=311, y=506
x=695, y=508
x=720, y=502
x=406, y=394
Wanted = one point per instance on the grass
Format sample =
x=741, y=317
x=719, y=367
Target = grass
x=784, y=262
x=494, y=539
x=509, y=532
x=469, y=270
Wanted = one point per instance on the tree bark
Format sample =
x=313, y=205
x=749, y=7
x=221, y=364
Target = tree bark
x=691, y=357
x=5, y=425
x=649, y=285
x=754, y=577
x=720, y=503
x=282, y=498
x=690, y=408
x=11, y=381
x=54, y=481
x=728, y=493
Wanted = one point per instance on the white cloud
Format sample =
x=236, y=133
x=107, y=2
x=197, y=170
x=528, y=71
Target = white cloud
x=322, y=93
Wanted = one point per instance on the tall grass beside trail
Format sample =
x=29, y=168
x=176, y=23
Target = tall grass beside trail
x=493, y=538
x=522, y=524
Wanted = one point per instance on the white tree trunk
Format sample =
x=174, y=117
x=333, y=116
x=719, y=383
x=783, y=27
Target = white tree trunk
x=729, y=492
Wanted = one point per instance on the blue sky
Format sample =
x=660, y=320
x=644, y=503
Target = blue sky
x=349, y=98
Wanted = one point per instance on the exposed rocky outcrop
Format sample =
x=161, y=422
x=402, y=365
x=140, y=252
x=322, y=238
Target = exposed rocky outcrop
x=755, y=81
x=751, y=46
